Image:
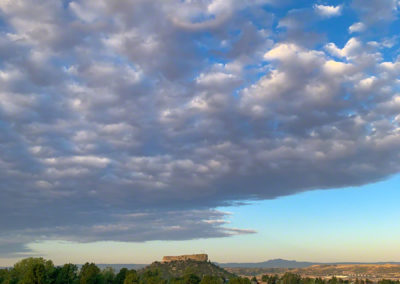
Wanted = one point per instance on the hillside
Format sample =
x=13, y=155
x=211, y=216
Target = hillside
x=179, y=268
x=371, y=271
x=367, y=270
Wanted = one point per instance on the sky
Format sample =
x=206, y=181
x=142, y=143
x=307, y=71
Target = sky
x=248, y=130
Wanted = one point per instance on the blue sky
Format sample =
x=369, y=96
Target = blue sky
x=246, y=129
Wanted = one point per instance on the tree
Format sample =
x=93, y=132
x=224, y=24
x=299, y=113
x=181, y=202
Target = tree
x=31, y=270
x=68, y=274
x=108, y=275
x=152, y=276
x=319, y=280
x=307, y=280
x=36, y=274
x=270, y=279
x=90, y=274
x=386, y=281
x=239, y=280
x=131, y=277
x=208, y=279
x=176, y=280
x=120, y=277
x=4, y=275
x=333, y=280
x=53, y=275
x=273, y=279
x=290, y=278
x=191, y=278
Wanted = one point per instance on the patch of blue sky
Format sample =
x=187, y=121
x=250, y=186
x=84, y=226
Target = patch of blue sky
x=337, y=211
x=336, y=28
x=3, y=27
x=281, y=9
x=391, y=51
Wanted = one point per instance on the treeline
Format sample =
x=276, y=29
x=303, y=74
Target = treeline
x=292, y=278
x=41, y=271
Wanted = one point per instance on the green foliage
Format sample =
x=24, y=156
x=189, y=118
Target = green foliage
x=270, y=279
x=388, y=281
x=31, y=271
x=131, y=277
x=177, y=269
x=120, y=277
x=209, y=279
x=359, y=281
x=239, y=280
x=176, y=280
x=108, y=275
x=4, y=275
x=152, y=276
x=191, y=278
x=67, y=274
x=90, y=274
x=290, y=278
x=308, y=280
x=36, y=274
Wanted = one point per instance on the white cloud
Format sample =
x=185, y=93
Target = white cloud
x=335, y=67
x=367, y=84
x=357, y=27
x=328, y=11
x=352, y=48
x=89, y=161
x=215, y=78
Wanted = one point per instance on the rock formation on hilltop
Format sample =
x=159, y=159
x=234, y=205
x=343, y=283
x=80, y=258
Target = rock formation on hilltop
x=195, y=257
x=179, y=266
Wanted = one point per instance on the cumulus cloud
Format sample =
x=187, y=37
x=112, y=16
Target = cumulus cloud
x=357, y=27
x=328, y=11
x=352, y=48
x=117, y=127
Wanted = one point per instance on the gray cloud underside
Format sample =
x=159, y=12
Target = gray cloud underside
x=117, y=122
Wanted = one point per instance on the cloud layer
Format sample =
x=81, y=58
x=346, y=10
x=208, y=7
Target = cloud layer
x=133, y=120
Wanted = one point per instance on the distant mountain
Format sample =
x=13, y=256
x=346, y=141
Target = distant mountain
x=273, y=263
